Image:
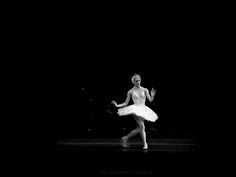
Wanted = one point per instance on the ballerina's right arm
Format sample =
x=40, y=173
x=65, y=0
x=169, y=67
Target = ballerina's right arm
x=126, y=101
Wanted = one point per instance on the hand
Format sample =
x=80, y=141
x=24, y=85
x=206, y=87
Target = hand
x=153, y=92
x=113, y=102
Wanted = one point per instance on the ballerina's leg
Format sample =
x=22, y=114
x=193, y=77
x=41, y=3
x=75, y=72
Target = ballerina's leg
x=140, y=122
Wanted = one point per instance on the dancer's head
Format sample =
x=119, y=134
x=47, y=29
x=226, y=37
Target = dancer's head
x=136, y=79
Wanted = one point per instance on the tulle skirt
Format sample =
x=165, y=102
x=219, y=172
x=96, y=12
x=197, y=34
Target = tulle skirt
x=139, y=110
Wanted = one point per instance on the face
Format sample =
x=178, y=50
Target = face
x=137, y=81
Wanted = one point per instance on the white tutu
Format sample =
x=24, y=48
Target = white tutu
x=139, y=110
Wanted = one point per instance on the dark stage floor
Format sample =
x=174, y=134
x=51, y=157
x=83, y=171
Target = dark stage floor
x=108, y=157
x=135, y=145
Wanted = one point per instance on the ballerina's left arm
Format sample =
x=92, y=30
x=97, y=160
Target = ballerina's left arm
x=153, y=92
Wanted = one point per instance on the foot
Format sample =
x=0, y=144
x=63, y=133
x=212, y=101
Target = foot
x=145, y=146
x=124, y=141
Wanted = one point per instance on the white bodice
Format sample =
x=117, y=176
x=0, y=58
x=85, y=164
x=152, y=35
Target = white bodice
x=138, y=97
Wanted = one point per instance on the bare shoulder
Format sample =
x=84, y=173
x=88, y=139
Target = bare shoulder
x=131, y=91
x=144, y=89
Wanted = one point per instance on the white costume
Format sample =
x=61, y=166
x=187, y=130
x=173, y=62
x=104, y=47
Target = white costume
x=139, y=108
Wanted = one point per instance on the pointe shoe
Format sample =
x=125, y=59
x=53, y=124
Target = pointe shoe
x=145, y=146
x=124, y=142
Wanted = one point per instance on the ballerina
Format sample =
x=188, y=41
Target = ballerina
x=138, y=110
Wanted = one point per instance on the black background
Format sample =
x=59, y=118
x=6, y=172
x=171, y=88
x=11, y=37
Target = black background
x=83, y=62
